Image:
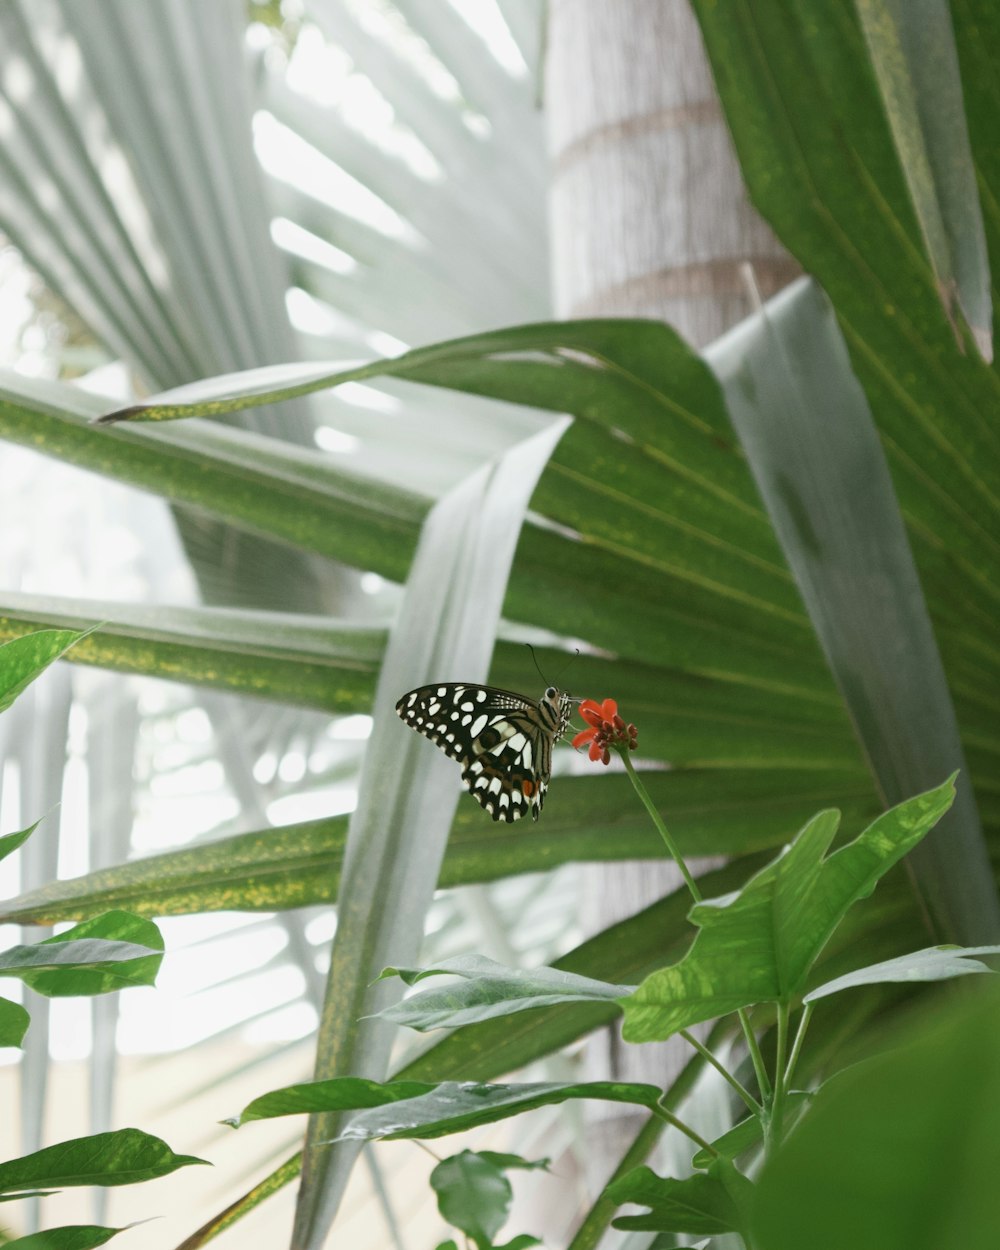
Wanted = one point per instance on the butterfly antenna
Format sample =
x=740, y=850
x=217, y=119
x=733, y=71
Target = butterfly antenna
x=534, y=660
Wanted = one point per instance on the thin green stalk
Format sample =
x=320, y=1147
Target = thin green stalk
x=759, y=1067
x=647, y=802
x=741, y=1089
x=800, y=1037
x=686, y=1129
x=780, y=1088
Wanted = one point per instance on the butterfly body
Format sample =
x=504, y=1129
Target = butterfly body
x=502, y=740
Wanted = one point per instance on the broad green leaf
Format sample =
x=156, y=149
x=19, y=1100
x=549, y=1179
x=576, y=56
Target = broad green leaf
x=898, y=1152
x=715, y=1201
x=23, y=659
x=14, y=1021
x=758, y=945
x=591, y=818
x=11, y=841
x=123, y=1157
x=936, y=963
x=473, y=1195
x=521, y=1242
x=69, y=1237
x=445, y=628
x=488, y=990
x=598, y=1219
x=913, y=53
x=330, y=665
x=814, y=450
x=339, y=1093
x=454, y=1106
x=109, y=952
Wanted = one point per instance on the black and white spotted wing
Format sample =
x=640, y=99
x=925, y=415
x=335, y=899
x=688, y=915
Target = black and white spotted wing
x=502, y=740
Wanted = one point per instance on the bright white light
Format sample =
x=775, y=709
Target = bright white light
x=291, y=237
x=292, y=767
x=320, y=930
x=371, y=583
x=286, y=155
x=386, y=344
x=487, y=21
x=287, y=1025
x=292, y=808
x=336, y=441
x=353, y=728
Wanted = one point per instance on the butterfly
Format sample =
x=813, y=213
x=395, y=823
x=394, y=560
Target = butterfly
x=502, y=740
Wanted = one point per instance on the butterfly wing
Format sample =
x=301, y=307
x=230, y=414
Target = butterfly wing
x=502, y=740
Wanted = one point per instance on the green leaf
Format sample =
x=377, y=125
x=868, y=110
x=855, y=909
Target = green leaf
x=454, y=1106
x=325, y=664
x=339, y=1093
x=916, y=64
x=521, y=1242
x=11, y=841
x=935, y=963
x=123, y=1157
x=24, y=659
x=712, y=1202
x=14, y=1021
x=473, y=1195
x=109, y=952
x=69, y=1237
x=815, y=453
x=898, y=1152
x=488, y=990
x=758, y=945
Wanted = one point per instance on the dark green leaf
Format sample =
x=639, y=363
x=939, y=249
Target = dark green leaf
x=23, y=659
x=758, y=945
x=521, y=1242
x=69, y=1237
x=11, y=841
x=340, y=1093
x=936, y=963
x=14, y=1021
x=898, y=1152
x=123, y=1157
x=489, y=989
x=110, y=952
x=473, y=1195
x=715, y=1201
x=453, y=1106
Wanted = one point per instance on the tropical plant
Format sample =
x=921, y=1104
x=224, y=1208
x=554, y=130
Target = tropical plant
x=716, y=551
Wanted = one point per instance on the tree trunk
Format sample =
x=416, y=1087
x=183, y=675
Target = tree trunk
x=649, y=218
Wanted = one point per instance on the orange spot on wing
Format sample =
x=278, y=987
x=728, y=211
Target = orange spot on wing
x=527, y=788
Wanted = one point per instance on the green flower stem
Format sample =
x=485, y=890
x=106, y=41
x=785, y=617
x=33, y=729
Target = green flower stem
x=647, y=803
x=751, y=1102
x=800, y=1037
x=780, y=1086
x=686, y=1129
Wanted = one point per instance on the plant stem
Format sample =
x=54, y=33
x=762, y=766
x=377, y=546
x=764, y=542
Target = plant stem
x=763, y=1080
x=661, y=1111
x=741, y=1089
x=800, y=1037
x=780, y=1087
x=647, y=803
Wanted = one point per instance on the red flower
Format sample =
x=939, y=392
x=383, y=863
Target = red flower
x=607, y=729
